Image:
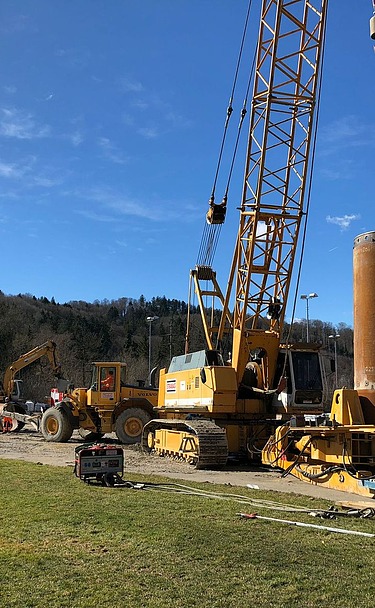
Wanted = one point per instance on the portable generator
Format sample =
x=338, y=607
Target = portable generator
x=97, y=462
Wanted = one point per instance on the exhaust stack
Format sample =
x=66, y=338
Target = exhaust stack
x=364, y=322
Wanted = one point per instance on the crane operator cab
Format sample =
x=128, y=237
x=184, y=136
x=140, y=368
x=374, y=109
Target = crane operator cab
x=303, y=391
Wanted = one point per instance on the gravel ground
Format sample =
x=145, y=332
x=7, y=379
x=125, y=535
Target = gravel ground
x=29, y=445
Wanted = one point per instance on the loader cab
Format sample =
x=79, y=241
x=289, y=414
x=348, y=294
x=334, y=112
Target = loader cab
x=304, y=373
x=106, y=379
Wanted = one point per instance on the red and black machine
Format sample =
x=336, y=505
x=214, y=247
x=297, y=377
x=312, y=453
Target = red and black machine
x=100, y=463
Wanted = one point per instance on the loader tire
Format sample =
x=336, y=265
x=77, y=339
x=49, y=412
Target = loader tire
x=129, y=425
x=56, y=426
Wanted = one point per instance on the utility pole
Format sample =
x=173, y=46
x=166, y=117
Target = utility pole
x=150, y=321
x=170, y=340
x=335, y=337
x=308, y=297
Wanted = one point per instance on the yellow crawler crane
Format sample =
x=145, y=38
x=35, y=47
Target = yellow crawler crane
x=265, y=395
x=260, y=383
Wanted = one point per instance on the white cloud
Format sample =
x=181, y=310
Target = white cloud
x=75, y=57
x=4, y=194
x=96, y=217
x=261, y=232
x=121, y=243
x=45, y=182
x=149, y=132
x=28, y=175
x=339, y=140
x=76, y=138
x=161, y=116
x=107, y=205
x=10, y=89
x=21, y=125
x=340, y=169
x=131, y=86
x=17, y=170
x=140, y=104
x=126, y=206
x=128, y=120
x=10, y=170
x=117, y=205
x=111, y=152
x=344, y=221
x=177, y=120
x=349, y=131
x=17, y=23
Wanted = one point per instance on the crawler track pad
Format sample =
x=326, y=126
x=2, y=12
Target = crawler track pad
x=199, y=442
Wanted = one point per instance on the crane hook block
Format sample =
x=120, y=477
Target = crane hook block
x=216, y=213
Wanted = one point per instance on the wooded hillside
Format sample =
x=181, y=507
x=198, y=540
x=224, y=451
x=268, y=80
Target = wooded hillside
x=118, y=331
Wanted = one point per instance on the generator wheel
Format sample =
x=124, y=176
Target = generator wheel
x=130, y=423
x=56, y=426
x=90, y=435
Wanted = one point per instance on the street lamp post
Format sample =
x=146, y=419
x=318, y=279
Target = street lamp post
x=334, y=337
x=150, y=320
x=308, y=297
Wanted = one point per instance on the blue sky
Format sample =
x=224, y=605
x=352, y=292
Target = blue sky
x=111, y=116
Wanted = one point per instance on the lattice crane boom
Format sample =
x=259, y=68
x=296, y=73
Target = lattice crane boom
x=286, y=84
x=281, y=131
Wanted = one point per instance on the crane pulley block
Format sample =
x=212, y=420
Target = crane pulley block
x=216, y=214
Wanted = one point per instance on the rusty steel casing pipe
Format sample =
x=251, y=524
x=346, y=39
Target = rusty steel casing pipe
x=372, y=27
x=364, y=322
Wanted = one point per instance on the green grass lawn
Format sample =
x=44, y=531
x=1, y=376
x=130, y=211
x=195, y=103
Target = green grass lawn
x=66, y=544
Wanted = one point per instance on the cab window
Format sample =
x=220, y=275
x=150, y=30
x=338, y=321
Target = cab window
x=107, y=379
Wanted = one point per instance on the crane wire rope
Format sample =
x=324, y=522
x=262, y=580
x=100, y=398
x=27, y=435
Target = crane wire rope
x=242, y=118
x=226, y=343
x=211, y=232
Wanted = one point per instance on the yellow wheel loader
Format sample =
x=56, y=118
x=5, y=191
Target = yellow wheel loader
x=110, y=405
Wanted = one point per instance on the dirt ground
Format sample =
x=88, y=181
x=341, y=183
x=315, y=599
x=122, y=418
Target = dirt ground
x=29, y=445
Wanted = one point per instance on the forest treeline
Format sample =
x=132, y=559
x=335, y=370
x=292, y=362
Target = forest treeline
x=118, y=330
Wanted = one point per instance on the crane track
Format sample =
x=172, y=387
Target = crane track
x=203, y=443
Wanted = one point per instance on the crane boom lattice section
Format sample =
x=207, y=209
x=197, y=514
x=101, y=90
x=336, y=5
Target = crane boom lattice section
x=281, y=129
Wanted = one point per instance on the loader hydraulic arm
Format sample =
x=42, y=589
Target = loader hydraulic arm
x=47, y=348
